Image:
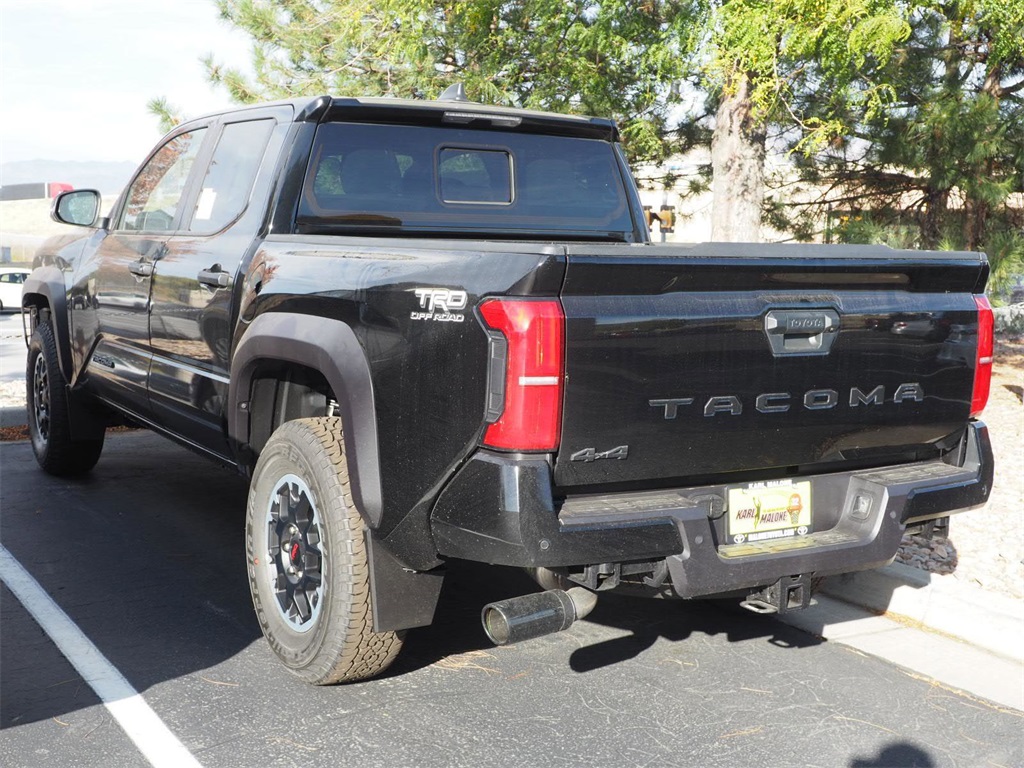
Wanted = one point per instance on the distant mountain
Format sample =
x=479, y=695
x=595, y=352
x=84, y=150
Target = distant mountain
x=108, y=178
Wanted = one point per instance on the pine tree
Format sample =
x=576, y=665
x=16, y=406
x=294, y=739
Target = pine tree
x=942, y=164
x=760, y=54
x=617, y=58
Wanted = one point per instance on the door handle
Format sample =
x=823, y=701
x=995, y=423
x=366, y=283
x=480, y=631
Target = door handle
x=141, y=268
x=215, y=278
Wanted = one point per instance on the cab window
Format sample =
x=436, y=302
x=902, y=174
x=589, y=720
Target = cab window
x=156, y=193
x=229, y=178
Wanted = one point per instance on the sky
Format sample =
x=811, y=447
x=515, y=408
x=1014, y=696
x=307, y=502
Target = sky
x=75, y=75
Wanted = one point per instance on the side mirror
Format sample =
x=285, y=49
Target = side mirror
x=79, y=207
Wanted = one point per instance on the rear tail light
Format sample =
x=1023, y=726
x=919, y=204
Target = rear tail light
x=983, y=361
x=525, y=399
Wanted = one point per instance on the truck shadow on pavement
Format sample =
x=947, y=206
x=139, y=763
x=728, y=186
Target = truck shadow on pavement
x=677, y=621
x=469, y=586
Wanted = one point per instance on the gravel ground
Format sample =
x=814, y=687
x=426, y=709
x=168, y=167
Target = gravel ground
x=985, y=547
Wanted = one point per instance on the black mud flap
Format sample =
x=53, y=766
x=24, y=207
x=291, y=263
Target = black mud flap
x=790, y=593
x=400, y=597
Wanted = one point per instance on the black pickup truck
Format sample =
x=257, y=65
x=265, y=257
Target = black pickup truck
x=437, y=329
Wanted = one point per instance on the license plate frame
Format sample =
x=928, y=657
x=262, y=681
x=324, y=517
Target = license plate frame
x=773, y=509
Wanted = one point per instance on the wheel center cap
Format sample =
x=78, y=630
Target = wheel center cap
x=294, y=552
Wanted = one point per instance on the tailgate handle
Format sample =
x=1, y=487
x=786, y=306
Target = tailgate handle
x=801, y=331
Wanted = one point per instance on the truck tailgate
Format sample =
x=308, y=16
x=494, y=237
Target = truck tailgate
x=689, y=362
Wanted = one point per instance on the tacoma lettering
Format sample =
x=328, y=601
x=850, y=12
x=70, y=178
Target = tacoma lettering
x=781, y=402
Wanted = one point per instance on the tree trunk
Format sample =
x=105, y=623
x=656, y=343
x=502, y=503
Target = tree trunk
x=976, y=226
x=978, y=210
x=737, y=163
x=934, y=218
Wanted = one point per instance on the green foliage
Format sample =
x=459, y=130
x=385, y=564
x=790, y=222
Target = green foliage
x=864, y=228
x=946, y=155
x=617, y=58
x=1005, y=251
x=627, y=59
x=786, y=47
x=166, y=114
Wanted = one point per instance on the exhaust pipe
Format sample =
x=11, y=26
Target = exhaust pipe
x=536, y=614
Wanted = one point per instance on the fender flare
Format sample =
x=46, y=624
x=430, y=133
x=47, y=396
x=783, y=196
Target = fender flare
x=330, y=347
x=47, y=283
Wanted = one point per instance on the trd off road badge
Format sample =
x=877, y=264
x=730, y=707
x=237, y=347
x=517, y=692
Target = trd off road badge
x=441, y=304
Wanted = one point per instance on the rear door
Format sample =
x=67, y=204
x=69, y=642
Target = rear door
x=193, y=283
x=749, y=361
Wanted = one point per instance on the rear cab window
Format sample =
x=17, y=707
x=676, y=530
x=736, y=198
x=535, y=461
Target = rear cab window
x=365, y=178
x=227, y=185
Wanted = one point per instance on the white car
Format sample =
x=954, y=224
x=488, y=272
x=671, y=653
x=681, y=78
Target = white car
x=11, y=279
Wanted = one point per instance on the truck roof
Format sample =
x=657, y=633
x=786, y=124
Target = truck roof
x=435, y=112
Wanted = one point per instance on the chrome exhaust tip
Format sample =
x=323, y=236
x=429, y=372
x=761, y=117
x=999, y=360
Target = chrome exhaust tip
x=535, y=615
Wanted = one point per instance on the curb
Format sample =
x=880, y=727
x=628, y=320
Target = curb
x=941, y=603
x=13, y=416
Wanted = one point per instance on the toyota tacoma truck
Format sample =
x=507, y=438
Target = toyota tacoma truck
x=437, y=329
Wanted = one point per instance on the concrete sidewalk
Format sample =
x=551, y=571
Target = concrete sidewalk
x=948, y=661
x=942, y=603
x=957, y=634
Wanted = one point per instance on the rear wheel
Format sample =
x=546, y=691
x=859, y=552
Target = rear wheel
x=49, y=418
x=307, y=562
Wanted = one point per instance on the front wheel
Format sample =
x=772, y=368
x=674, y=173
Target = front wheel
x=49, y=417
x=308, y=568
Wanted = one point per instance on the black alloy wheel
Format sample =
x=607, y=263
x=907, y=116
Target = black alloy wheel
x=49, y=404
x=294, y=558
x=309, y=571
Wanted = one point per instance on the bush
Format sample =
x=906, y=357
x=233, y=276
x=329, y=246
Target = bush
x=1010, y=320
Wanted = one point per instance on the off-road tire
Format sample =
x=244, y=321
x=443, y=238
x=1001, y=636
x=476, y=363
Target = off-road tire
x=339, y=645
x=49, y=419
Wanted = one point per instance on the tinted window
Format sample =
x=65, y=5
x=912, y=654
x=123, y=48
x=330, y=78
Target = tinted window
x=156, y=192
x=225, y=191
x=456, y=179
x=475, y=176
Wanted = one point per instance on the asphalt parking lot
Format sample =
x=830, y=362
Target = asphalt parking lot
x=146, y=558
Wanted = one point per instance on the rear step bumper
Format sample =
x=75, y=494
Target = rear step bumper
x=499, y=509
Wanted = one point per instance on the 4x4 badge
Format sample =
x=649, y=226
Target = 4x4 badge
x=589, y=454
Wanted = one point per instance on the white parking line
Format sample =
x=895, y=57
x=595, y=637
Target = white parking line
x=153, y=738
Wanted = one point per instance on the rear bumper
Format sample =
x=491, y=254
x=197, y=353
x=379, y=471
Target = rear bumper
x=500, y=509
